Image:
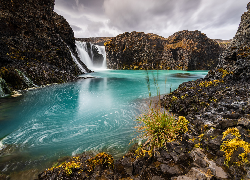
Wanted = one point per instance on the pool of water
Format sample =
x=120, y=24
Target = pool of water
x=93, y=114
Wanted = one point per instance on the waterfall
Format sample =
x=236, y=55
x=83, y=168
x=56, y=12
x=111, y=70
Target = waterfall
x=77, y=63
x=89, y=58
x=26, y=79
x=83, y=54
x=102, y=51
x=83, y=70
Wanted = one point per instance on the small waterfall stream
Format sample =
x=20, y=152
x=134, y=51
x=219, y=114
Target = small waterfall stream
x=89, y=58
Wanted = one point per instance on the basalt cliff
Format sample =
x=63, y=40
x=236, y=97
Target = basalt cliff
x=35, y=45
x=184, y=50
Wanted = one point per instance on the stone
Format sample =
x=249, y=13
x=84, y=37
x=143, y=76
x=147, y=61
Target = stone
x=170, y=170
x=137, y=50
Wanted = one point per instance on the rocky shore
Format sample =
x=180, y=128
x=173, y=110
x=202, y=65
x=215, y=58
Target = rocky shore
x=221, y=102
x=184, y=50
x=35, y=45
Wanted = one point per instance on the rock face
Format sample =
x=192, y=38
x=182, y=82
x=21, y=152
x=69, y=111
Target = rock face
x=191, y=50
x=135, y=50
x=220, y=100
x=184, y=50
x=35, y=41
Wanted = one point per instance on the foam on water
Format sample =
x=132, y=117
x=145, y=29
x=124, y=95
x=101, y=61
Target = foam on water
x=1, y=145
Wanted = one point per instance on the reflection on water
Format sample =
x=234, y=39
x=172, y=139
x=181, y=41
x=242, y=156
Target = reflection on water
x=95, y=114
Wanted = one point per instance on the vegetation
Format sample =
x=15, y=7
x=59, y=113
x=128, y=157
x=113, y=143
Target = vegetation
x=229, y=147
x=77, y=165
x=102, y=159
x=158, y=128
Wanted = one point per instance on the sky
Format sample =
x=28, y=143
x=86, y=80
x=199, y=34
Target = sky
x=218, y=19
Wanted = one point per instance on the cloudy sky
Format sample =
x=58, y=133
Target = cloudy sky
x=218, y=19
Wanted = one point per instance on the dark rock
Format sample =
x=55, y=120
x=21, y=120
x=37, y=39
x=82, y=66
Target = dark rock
x=220, y=100
x=36, y=41
x=137, y=50
x=235, y=156
x=166, y=169
x=157, y=178
x=245, y=122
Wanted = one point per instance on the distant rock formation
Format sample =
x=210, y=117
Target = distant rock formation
x=95, y=40
x=184, y=50
x=35, y=42
x=190, y=50
x=135, y=50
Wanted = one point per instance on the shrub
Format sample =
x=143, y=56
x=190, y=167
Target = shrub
x=159, y=127
x=232, y=145
x=101, y=159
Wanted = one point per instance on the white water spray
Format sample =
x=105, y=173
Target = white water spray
x=85, y=57
x=101, y=50
x=1, y=145
x=76, y=61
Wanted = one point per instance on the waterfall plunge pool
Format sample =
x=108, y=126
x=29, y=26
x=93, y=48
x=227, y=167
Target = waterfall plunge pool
x=94, y=114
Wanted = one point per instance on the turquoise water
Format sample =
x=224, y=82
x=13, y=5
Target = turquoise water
x=94, y=114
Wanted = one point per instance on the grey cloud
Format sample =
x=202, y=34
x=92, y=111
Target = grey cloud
x=95, y=26
x=150, y=15
x=163, y=17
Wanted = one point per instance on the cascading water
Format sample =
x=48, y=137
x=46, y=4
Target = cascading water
x=102, y=51
x=76, y=61
x=87, y=58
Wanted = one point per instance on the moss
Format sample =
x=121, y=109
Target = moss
x=209, y=83
x=102, y=159
x=223, y=71
x=68, y=167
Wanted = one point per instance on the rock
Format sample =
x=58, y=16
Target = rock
x=196, y=173
x=36, y=41
x=157, y=178
x=219, y=101
x=170, y=170
x=245, y=122
x=219, y=172
x=4, y=89
x=183, y=50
